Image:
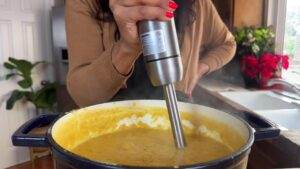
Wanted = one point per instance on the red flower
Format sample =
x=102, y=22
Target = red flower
x=268, y=64
x=266, y=73
x=251, y=73
x=249, y=66
x=285, y=61
x=269, y=61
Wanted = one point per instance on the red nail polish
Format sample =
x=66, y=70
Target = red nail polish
x=173, y=5
x=169, y=14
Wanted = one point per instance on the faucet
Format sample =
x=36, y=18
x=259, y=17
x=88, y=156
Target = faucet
x=276, y=81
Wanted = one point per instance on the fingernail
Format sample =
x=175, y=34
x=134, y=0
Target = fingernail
x=173, y=5
x=169, y=14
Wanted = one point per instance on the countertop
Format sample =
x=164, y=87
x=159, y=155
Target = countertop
x=282, y=152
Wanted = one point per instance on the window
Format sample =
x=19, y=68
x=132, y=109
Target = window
x=292, y=39
x=284, y=15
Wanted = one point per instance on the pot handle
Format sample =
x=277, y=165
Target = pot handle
x=22, y=137
x=264, y=129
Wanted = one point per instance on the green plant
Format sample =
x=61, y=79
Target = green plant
x=42, y=98
x=254, y=41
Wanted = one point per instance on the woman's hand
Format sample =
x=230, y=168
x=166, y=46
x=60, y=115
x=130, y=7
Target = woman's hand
x=202, y=70
x=127, y=14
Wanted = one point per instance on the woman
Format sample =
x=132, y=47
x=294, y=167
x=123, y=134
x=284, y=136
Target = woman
x=105, y=51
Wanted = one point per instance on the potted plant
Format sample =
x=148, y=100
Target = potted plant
x=258, y=61
x=43, y=98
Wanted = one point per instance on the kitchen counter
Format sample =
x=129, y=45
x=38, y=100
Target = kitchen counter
x=283, y=152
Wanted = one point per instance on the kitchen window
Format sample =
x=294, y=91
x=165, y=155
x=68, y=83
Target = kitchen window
x=292, y=39
x=284, y=15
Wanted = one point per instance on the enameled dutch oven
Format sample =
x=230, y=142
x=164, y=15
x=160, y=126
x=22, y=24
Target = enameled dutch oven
x=249, y=126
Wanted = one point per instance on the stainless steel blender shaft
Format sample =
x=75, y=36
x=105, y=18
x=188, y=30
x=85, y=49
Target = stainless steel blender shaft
x=164, y=66
x=171, y=100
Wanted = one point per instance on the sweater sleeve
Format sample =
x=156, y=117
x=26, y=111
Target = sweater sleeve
x=219, y=42
x=92, y=77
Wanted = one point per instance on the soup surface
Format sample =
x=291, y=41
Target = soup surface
x=150, y=147
x=141, y=136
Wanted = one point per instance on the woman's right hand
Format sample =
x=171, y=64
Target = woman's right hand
x=128, y=13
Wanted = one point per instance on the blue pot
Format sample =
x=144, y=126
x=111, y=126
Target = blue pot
x=255, y=128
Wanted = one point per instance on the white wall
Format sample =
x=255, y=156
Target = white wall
x=24, y=33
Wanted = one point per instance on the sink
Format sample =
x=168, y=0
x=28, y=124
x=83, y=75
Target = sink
x=258, y=100
x=273, y=107
x=286, y=119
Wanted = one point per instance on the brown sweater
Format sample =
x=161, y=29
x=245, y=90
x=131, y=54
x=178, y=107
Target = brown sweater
x=92, y=78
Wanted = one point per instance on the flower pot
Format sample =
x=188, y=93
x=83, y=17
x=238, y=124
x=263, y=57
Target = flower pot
x=251, y=83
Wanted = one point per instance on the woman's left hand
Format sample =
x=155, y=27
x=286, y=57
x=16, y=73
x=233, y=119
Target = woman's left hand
x=202, y=70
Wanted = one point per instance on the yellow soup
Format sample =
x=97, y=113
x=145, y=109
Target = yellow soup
x=142, y=137
x=150, y=147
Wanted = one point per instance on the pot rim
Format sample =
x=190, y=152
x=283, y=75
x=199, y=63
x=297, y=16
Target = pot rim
x=224, y=161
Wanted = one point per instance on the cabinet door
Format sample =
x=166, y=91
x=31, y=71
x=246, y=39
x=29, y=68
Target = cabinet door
x=226, y=11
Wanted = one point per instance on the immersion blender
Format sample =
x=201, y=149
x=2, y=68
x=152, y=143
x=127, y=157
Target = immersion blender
x=164, y=66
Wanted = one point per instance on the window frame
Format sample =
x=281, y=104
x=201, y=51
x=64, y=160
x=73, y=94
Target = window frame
x=275, y=15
